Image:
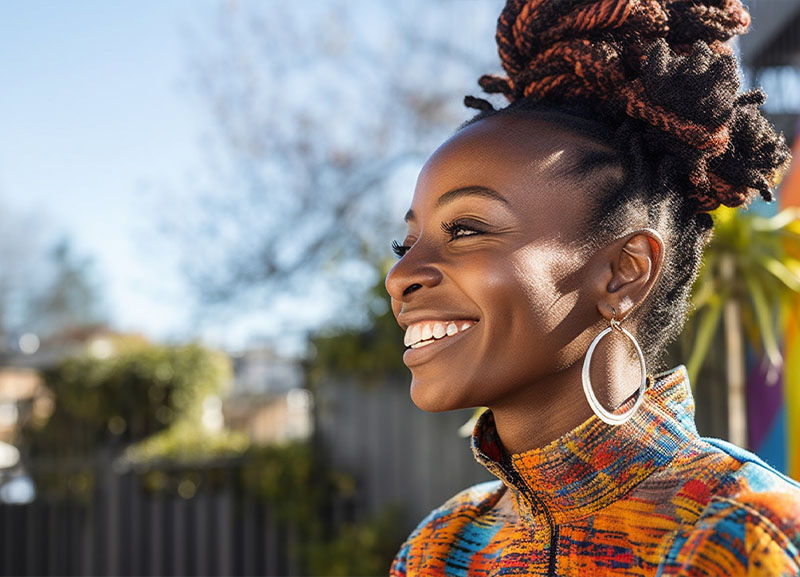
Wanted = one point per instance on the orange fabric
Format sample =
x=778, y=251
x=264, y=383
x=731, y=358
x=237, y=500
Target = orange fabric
x=649, y=497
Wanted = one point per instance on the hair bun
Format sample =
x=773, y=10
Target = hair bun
x=662, y=65
x=710, y=21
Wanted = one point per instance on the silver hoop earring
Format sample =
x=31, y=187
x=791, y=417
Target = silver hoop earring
x=599, y=410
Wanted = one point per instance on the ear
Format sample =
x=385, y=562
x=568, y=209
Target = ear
x=635, y=264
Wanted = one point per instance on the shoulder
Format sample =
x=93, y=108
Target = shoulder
x=756, y=485
x=751, y=521
x=753, y=534
x=440, y=527
x=478, y=496
x=466, y=504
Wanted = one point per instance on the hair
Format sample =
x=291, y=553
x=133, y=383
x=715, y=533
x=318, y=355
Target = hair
x=656, y=85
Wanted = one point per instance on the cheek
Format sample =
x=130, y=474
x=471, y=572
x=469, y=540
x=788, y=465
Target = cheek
x=522, y=304
x=541, y=276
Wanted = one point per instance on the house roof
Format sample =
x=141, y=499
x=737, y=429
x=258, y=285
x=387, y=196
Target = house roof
x=774, y=38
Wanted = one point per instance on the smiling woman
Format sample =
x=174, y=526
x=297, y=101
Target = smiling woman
x=512, y=262
x=550, y=252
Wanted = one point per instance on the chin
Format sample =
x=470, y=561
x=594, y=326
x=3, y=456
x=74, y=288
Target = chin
x=436, y=397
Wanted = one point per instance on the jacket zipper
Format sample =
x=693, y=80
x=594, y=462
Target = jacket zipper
x=551, y=567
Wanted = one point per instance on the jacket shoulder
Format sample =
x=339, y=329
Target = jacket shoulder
x=753, y=534
x=759, y=486
x=439, y=527
x=750, y=523
x=478, y=495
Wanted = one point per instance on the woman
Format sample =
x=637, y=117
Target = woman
x=550, y=252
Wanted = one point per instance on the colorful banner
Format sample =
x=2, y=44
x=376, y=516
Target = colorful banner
x=791, y=384
x=766, y=411
x=773, y=393
x=790, y=196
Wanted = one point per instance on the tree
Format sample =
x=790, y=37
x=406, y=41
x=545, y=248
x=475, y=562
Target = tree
x=43, y=288
x=68, y=298
x=21, y=247
x=129, y=398
x=370, y=353
x=318, y=112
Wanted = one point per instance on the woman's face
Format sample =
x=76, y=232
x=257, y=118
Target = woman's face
x=493, y=292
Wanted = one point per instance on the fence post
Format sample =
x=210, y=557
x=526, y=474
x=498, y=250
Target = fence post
x=225, y=525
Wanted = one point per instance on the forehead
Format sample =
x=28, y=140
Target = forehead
x=518, y=155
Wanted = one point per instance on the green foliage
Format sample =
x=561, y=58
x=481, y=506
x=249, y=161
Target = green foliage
x=65, y=483
x=755, y=261
x=369, y=353
x=288, y=477
x=298, y=486
x=185, y=443
x=365, y=548
x=139, y=390
x=147, y=387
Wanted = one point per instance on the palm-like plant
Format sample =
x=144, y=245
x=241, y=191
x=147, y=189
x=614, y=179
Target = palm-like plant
x=749, y=278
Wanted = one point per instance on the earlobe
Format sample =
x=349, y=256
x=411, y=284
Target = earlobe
x=635, y=267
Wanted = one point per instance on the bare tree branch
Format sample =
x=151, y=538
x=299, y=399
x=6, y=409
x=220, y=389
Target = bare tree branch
x=315, y=110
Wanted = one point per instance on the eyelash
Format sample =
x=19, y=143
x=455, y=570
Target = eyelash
x=399, y=249
x=452, y=229
x=455, y=227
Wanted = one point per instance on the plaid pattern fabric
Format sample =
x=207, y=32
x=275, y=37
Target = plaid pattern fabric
x=649, y=497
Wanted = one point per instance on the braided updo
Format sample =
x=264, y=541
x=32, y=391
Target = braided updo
x=657, y=82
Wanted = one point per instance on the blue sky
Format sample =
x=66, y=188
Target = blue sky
x=98, y=124
x=101, y=125
x=96, y=119
x=100, y=128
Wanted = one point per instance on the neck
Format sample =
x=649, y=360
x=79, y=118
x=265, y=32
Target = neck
x=553, y=406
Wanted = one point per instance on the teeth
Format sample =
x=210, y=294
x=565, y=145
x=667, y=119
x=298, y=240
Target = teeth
x=413, y=334
x=424, y=333
x=427, y=332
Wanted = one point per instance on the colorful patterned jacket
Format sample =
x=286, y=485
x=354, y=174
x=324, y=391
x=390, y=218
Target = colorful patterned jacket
x=649, y=497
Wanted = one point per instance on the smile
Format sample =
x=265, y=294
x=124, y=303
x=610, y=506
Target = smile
x=424, y=333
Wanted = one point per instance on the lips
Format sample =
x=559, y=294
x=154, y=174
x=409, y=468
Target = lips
x=424, y=333
x=425, y=343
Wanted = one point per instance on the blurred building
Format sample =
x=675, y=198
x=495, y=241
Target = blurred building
x=24, y=397
x=28, y=350
x=771, y=56
x=267, y=399
x=261, y=371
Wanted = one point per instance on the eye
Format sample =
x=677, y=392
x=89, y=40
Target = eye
x=458, y=229
x=399, y=249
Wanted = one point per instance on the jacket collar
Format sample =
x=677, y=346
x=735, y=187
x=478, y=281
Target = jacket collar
x=595, y=464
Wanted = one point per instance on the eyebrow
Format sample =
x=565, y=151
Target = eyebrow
x=452, y=195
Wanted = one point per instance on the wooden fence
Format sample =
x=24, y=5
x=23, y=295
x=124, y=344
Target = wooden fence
x=125, y=530
x=398, y=453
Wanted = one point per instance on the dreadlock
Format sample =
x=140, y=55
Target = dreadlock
x=656, y=82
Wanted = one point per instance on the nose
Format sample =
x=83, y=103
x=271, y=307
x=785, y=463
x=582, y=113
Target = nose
x=412, y=272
